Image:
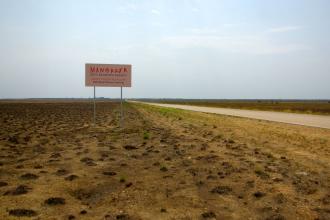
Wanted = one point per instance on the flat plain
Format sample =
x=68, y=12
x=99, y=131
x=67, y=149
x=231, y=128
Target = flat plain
x=163, y=163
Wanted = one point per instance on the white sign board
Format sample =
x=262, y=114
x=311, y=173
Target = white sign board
x=108, y=75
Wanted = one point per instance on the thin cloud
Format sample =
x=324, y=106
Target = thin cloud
x=202, y=31
x=229, y=25
x=256, y=45
x=127, y=7
x=157, y=24
x=284, y=29
x=155, y=12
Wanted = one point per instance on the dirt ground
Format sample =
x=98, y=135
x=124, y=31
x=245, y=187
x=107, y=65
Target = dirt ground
x=162, y=164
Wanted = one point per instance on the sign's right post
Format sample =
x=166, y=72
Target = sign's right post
x=121, y=107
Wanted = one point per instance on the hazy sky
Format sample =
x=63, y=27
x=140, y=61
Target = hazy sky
x=178, y=49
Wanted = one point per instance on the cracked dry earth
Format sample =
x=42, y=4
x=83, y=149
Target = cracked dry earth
x=162, y=164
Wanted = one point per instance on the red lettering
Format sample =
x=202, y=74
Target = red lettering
x=92, y=69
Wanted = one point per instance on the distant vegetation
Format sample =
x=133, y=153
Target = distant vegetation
x=296, y=106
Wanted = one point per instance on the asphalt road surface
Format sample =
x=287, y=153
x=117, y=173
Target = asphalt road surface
x=321, y=121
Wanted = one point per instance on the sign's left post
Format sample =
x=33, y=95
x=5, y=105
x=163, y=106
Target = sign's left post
x=94, y=108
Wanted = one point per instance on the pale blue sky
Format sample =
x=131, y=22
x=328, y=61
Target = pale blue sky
x=178, y=49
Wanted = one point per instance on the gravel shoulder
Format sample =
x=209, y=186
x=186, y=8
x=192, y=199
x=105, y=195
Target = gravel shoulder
x=321, y=121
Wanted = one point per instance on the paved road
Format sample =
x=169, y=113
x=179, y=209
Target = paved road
x=320, y=121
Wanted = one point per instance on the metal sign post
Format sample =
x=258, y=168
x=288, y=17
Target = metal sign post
x=94, y=108
x=121, y=106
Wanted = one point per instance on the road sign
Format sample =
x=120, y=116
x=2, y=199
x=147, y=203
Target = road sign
x=108, y=75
